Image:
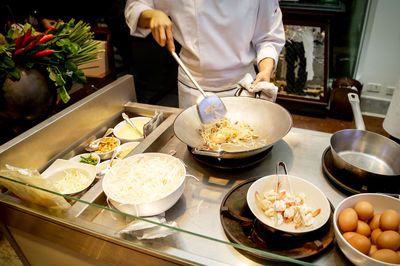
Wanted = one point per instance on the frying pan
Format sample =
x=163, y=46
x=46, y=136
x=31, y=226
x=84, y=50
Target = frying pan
x=365, y=154
x=270, y=121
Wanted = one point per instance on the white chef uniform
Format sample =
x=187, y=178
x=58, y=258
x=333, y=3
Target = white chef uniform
x=220, y=39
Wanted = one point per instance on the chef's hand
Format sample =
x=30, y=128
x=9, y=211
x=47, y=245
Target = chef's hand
x=265, y=67
x=160, y=25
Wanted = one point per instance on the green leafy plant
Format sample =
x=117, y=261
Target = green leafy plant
x=59, y=51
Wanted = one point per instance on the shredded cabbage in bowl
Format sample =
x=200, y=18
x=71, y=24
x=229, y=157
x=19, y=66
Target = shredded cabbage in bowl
x=144, y=178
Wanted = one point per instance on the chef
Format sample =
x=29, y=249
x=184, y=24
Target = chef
x=221, y=39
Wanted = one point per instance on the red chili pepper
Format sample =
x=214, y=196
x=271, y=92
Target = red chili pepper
x=27, y=41
x=19, y=51
x=46, y=38
x=44, y=53
x=18, y=42
x=33, y=42
x=26, y=37
x=51, y=28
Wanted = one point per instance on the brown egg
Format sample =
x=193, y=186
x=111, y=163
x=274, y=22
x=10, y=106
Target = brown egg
x=349, y=235
x=388, y=239
x=361, y=243
x=347, y=220
x=374, y=235
x=374, y=223
x=386, y=255
x=363, y=228
x=390, y=220
x=365, y=210
x=372, y=250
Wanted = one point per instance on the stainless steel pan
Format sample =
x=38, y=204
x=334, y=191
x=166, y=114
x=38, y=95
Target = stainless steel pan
x=365, y=154
x=269, y=120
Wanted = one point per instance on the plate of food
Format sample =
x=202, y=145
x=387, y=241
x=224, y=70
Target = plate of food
x=88, y=158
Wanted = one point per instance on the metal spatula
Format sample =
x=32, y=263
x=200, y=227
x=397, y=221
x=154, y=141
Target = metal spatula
x=210, y=108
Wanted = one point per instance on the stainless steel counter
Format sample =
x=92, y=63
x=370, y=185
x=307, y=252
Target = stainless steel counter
x=197, y=211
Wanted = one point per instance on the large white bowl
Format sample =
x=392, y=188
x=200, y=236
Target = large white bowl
x=135, y=121
x=314, y=198
x=381, y=203
x=146, y=208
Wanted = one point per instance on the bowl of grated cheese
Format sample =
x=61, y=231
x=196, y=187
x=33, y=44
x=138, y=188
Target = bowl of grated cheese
x=70, y=177
x=145, y=184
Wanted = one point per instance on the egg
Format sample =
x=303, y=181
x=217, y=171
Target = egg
x=361, y=243
x=374, y=223
x=363, y=228
x=374, y=235
x=386, y=255
x=365, y=210
x=349, y=235
x=390, y=220
x=388, y=240
x=348, y=220
x=372, y=250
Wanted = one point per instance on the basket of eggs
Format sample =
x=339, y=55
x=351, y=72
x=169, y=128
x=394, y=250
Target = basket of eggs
x=367, y=229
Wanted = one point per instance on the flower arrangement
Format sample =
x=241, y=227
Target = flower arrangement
x=59, y=51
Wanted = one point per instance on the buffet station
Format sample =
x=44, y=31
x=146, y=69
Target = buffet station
x=112, y=181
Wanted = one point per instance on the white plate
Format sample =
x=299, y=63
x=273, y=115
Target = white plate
x=77, y=158
x=138, y=121
x=55, y=172
x=127, y=148
x=314, y=198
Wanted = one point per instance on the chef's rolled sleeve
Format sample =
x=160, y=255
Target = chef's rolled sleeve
x=269, y=35
x=133, y=10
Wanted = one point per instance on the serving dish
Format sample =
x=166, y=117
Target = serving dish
x=126, y=148
x=126, y=133
x=78, y=158
x=128, y=185
x=66, y=172
x=381, y=203
x=314, y=198
x=108, y=153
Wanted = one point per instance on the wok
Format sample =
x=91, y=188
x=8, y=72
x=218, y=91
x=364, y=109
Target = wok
x=270, y=121
x=365, y=154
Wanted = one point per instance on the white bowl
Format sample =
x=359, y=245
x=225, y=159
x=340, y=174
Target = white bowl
x=103, y=165
x=126, y=148
x=55, y=173
x=77, y=158
x=108, y=154
x=121, y=129
x=143, y=207
x=381, y=203
x=314, y=198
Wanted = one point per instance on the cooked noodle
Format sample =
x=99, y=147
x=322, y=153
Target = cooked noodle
x=223, y=131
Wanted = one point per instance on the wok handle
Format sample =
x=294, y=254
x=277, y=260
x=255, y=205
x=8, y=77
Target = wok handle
x=216, y=154
x=355, y=106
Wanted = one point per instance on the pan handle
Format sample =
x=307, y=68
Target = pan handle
x=355, y=106
x=216, y=154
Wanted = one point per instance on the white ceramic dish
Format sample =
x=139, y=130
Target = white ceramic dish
x=77, y=158
x=381, y=203
x=152, y=207
x=103, y=165
x=314, y=198
x=138, y=121
x=55, y=172
x=126, y=148
x=106, y=155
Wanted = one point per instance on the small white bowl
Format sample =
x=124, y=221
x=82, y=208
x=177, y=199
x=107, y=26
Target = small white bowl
x=126, y=148
x=108, y=154
x=122, y=129
x=56, y=172
x=381, y=203
x=145, y=208
x=314, y=198
x=78, y=158
x=103, y=165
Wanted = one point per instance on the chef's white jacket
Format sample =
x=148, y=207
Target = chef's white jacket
x=220, y=39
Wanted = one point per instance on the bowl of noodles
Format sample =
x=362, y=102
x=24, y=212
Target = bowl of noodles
x=145, y=184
